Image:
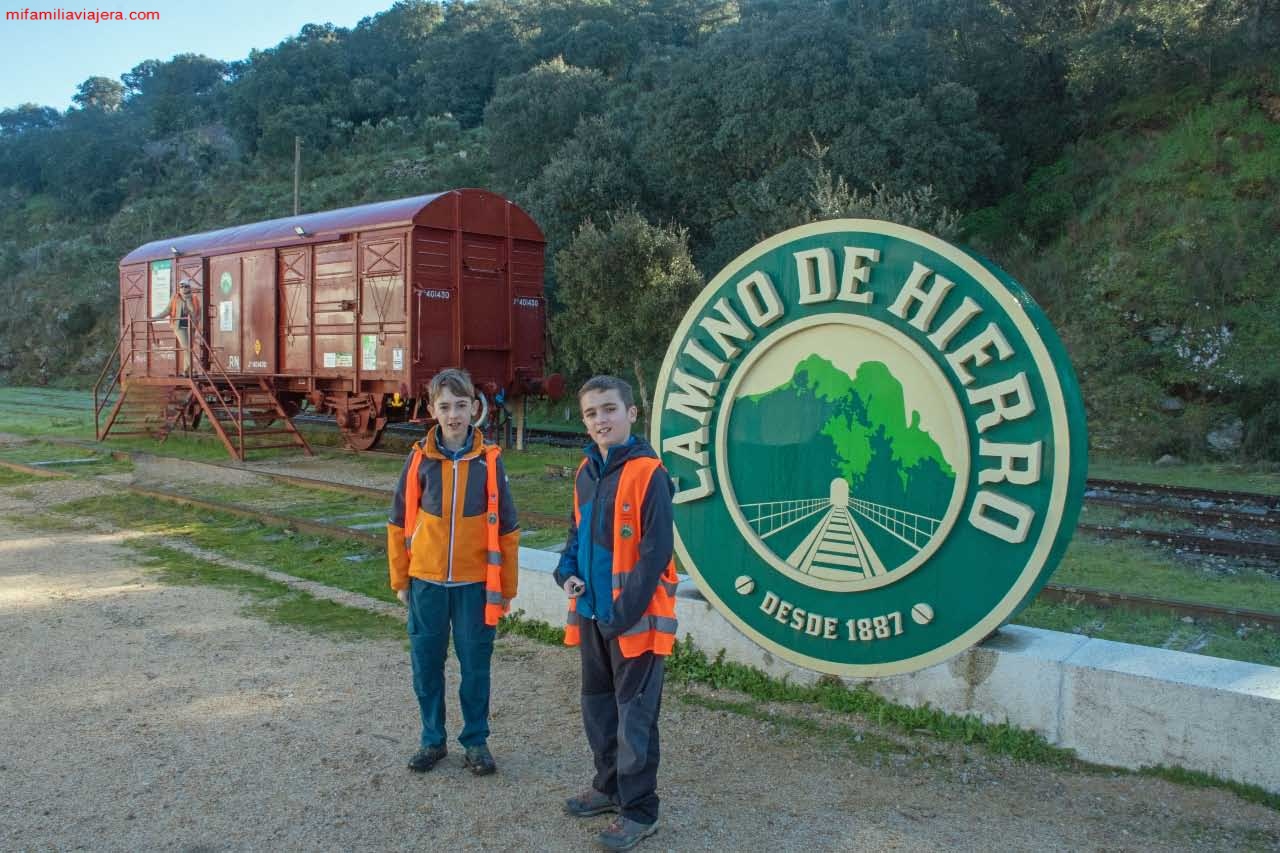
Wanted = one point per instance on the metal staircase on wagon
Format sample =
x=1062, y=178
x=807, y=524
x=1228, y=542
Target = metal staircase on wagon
x=242, y=411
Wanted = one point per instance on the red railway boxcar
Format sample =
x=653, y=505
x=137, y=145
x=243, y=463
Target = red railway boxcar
x=350, y=311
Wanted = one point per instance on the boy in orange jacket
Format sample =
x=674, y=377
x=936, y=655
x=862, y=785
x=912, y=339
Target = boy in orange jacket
x=452, y=546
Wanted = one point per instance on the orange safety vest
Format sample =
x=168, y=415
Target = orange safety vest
x=495, y=607
x=175, y=306
x=656, y=630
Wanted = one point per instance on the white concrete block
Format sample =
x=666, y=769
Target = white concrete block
x=1016, y=677
x=1136, y=706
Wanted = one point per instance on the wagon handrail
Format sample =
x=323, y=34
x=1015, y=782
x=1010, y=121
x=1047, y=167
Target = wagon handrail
x=127, y=332
x=217, y=373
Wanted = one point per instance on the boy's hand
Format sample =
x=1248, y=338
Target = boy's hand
x=403, y=595
x=575, y=587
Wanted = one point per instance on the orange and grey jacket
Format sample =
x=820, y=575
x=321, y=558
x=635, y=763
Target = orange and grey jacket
x=620, y=545
x=183, y=307
x=446, y=534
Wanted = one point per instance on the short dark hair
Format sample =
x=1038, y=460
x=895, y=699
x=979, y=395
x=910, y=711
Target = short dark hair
x=456, y=380
x=604, y=382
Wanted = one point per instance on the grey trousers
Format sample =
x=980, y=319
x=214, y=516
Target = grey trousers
x=621, y=698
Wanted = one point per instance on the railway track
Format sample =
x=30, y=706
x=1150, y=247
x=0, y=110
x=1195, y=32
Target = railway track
x=36, y=408
x=1269, y=504
x=1230, y=542
x=1193, y=542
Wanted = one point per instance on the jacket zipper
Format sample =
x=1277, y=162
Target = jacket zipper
x=596, y=520
x=453, y=518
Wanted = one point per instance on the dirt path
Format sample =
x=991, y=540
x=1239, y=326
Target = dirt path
x=139, y=716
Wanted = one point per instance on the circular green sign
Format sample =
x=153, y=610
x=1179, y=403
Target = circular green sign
x=878, y=442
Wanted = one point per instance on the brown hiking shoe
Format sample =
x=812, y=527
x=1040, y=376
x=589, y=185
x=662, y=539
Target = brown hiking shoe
x=624, y=833
x=588, y=803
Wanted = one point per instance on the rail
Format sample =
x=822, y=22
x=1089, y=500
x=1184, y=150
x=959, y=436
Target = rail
x=115, y=381
x=206, y=383
x=769, y=517
x=898, y=522
x=211, y=387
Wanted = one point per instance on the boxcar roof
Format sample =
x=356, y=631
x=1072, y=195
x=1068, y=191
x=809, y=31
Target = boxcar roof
x=275, y=232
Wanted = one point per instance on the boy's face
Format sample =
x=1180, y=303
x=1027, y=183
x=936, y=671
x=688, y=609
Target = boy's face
x=608, y=421
x=454, y=415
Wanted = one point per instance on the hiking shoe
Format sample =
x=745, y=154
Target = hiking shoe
x=625, y=833
x=589, y=803
x=479, y=760
x=424, y=759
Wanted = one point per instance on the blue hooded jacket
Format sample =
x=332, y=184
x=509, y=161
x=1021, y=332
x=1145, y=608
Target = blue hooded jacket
x=588, y=552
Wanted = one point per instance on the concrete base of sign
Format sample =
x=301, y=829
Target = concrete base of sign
x=1113, y=703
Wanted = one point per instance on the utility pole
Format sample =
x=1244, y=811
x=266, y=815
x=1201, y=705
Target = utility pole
x=297, y=170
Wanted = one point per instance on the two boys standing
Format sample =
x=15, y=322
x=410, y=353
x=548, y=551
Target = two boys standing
x=452, y=545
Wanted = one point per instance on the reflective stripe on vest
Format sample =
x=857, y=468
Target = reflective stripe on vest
x=495, y=606
x=656, y=629
x=412, y=496
x=572, y=632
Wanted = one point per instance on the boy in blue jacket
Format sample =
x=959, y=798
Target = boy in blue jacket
x=618, y=571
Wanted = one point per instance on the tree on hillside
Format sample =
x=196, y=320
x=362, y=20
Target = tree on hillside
x=27, y=117
x=622, y=291
x=476, y=45
x=99, y=93
x=175, y=95
x=532, y=114
x=585, y=180
x=297, y=88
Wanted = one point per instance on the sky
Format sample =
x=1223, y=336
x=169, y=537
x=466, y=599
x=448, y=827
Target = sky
x=44, y=61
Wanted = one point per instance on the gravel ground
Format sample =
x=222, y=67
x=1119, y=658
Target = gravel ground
x=139, y=716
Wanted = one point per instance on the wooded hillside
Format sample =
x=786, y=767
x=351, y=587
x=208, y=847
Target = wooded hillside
x=1120, y=157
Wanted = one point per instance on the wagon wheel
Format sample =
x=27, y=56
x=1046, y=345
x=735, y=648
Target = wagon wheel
x=362, y=429
x=363, y=440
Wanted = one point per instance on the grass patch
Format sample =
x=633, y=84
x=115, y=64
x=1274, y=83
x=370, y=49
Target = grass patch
x=1196, y=779
x=271, y=600
x=344, y=509
x=36, y=422
x=1160, y=630
x=332, y=507
x=1141, y=570
x=1146, y=519
x=859, y=741
x=689, y=664
x=560, y=415
x=340, y=563
x=1262, y=478
x=542, y=538
x=10, y=477
x=43, y=451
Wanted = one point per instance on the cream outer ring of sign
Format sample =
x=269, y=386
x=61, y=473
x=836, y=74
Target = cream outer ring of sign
x=731, y=499
x=1058, y=415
